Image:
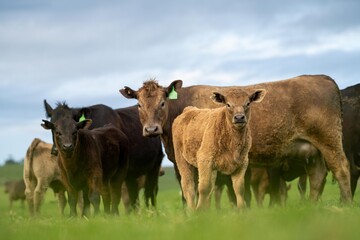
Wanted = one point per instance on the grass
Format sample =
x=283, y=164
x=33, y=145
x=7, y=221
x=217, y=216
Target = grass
x=298, y=220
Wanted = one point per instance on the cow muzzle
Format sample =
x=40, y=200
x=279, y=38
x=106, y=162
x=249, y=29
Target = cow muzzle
x=239, y=119
x=152, y=131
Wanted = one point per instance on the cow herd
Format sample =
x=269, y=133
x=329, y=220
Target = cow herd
x=257, y=136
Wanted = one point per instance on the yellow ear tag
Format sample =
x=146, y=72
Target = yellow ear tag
x=173, y=94
x=82, y=118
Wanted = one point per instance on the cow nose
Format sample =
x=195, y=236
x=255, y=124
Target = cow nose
x=151, y=130
x=67, y=147
x=240, y=118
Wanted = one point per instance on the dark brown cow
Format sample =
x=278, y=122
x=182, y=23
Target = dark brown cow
x=145, y=154
x=41, y=171
x=92, y=161
x=351, y=131
x=307, y=108
x=16, y=191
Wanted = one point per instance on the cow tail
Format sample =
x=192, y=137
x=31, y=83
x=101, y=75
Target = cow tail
x=27, y=174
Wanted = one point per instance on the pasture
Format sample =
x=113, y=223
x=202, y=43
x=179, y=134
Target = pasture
x=298, y=220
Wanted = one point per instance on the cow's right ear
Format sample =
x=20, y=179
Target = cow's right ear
x=218, y=98
x=48, y=109
x=48, y=125
x=175, y=85
x=128, y=92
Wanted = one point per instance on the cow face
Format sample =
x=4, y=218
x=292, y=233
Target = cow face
x=65, y=132
x=153, y=104
x=237, y=105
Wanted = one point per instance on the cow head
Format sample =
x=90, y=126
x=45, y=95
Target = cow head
x=153, y=104
x=61, y=110
x=237, y=103
x=65, y=133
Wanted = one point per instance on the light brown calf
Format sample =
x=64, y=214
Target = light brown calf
x=41, y=171
x=16, y=191
x=214, y=140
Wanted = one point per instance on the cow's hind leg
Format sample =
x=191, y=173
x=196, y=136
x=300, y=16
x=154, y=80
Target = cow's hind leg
x=39, y=193
x=187, y=173
x=317, y=178
x=336, y=161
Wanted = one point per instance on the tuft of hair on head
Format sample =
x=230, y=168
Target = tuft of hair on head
x=150, y=86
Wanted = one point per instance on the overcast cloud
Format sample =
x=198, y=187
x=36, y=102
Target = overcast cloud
x=85, y=51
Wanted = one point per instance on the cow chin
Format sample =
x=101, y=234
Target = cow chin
x=239, y=125
x=147, y=134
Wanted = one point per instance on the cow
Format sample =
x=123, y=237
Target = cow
x=92, y=161
x=145, y=154
x=351, y=131
x=16, y=191
x=306, y=108
x=40, y=172
x=214, y=140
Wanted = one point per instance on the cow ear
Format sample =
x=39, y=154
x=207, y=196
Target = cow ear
x=218, y=97
x=173, y=87
x=84, y=124
x=129, y=93
x=48, y=109
x=83, y=114
x=47, y=125
x=257, y=96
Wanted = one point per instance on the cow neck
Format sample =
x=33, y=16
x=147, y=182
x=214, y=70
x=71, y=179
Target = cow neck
x=78, y=159
x=176, y=107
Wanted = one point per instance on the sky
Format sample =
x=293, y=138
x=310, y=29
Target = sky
x=83, y=52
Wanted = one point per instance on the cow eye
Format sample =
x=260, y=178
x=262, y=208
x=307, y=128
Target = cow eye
x=139, y=106
x=228, y=105
x=58, y=134
x=162, y=104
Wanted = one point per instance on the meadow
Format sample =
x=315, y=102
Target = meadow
x=327, y=219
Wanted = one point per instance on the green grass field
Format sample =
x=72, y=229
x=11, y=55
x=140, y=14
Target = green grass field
x=298, y=220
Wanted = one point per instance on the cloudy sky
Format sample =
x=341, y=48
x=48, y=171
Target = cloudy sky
x=85, y=51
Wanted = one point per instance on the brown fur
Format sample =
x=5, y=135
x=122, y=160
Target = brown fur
x=16, y=191
x=41, y=172
x=212, y=140
x=305, y=108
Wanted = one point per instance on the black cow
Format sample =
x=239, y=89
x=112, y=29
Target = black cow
x=351, y=131
x=145, y=154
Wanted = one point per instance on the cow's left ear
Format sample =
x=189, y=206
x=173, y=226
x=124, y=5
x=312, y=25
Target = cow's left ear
x=129, y=93
x=218, y=97
x=84, y=124
x=257, y=96
x=173, y=87
x=47, y=125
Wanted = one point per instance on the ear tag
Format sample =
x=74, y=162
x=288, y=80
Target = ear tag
x=173, y=94
x=82, y=118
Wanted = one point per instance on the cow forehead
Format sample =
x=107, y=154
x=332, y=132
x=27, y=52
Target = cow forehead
x=152, y=97
x=65, y=124
x=236, y=97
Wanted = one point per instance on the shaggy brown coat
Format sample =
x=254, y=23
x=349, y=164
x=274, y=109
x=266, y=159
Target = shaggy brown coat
x=214, y=140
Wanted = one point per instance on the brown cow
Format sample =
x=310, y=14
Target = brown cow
x=41, y=172
x=92, y=161
x=305, y=108
x=214, y=140
x=16, y=191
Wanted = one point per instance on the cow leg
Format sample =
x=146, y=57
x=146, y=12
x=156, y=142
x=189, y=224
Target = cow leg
x=207, y=178
x=151, y=186
x=317, y=178
x=116, y=189
x=302, y=186
x=187, y=173
x=86, y=203
x=248, y=187
x=105, y=194
x=238, y=179
x=61, y=201
x=29, y=193
x=217, y=194
x=133, y=192
x=72, y=200
x=339, y=166
x=39, y=192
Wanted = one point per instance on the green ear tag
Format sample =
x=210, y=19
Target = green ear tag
x=82, y=118
x=173, y=94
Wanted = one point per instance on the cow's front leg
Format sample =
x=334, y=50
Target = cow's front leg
x=207, y=177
